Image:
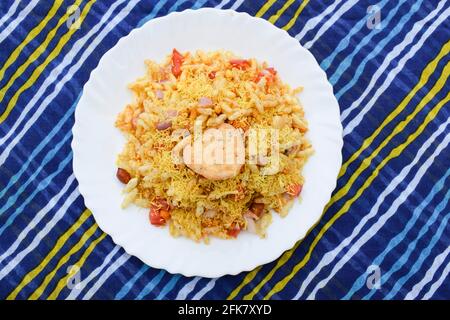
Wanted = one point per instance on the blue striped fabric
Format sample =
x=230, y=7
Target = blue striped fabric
x=385, y=233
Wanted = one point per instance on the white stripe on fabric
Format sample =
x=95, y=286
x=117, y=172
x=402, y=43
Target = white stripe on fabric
x=10, y=13
x=75, y=292
x=111, y=269
x=313, y=22
x=330, y=22
x=50, y=80
x=36, y=219
x=205, y=289
x=22, y=14
x=429, y=275
x=222, y=4
x=374, y=212
x=188, y=288
x=438, y=283
x=237, y=4
x=41, y=234
x=409, y=38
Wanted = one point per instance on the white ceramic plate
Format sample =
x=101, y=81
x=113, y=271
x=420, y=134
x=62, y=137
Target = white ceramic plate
x=96, y=142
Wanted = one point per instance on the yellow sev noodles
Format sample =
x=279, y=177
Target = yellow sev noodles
x=245, y=94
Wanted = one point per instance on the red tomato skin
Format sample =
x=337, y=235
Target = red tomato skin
x=272, y=70
x=240, y=64
x=234, y=231
x=177, y=61
x=269, y=77
x=295, y=189
x=155, y=218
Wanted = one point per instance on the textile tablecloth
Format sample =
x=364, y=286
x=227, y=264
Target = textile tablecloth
x=384, y=234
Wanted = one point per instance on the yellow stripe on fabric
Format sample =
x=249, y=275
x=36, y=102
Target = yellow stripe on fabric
x=248, y=278
x=84, y=238
x=393, y=154
x=59, y=244
x=297, y=13
x=38, y=71
x=422, y=81
x=280, y=12
x=63, y=282
x=34, y=56
x=30, y=36
x=264, y=8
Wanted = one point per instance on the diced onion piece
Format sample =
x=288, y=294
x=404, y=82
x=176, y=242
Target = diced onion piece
x=159, y=94
x=172, y=113
x=205, y=102
x=163, y=125
x=263, y=223
x=251, y=225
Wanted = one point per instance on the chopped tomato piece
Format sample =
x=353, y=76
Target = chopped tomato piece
x=160, y=204
x=272, y=71
x=165, y=214
x=240, y=64
x=234, y=231
x=294, y=189
x=212, y=75
x=269, y=81
x=177, y=61
x=258, y=77
x=268, y=73
x=159, y=212
x=155, y=217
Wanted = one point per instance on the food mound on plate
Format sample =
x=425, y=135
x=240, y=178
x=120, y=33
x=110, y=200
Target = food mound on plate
x=214, y=143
